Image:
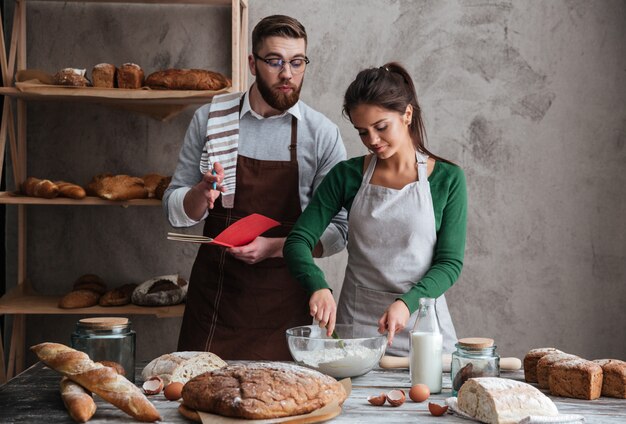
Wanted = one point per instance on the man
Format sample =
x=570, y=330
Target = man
x=242, y=299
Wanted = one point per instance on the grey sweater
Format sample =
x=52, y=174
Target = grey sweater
x=319, y=148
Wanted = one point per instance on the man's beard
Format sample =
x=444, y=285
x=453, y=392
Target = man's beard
x=276, y=99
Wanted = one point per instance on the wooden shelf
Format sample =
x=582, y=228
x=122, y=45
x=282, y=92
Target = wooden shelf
x=204, y=2
x=20, y=301
x=11, y=198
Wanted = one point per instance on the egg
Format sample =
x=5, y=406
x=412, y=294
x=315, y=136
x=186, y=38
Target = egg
x=173, y=391
x=419, y=393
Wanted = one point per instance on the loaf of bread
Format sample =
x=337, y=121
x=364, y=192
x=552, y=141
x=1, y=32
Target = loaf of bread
x=103, y=75
x=117, y=187
x=544, y=366
x=181, y=366
x=37, y=187
x=78, y=401
x=71, y=190
x=575, y=378
x=502, y=401
x=161, y=187
x=79, y=299
x=90, y=282
x=187, y=79
x=165, y=290
x=119, y=296
x=530, y=362
x=613, y=377
x=151, y=181
x=103, y=381
x=261, y=391
x=71, y=77
x=130, y=75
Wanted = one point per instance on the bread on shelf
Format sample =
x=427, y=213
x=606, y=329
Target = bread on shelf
x=71, y=77
x=117, y=187
x=103, y=75
x=187, y=79
x=130, y=75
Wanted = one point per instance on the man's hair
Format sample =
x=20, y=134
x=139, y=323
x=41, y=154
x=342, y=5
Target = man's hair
x=276, y=26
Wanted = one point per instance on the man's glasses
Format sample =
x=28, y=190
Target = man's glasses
x=276, y=65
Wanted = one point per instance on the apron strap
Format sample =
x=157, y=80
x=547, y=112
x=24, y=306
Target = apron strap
x=293, y=147
x=422, y=166
x=369, y=171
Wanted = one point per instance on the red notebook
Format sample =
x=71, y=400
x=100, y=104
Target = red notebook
x=240, y=233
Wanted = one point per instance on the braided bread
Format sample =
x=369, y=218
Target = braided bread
x=103, y=381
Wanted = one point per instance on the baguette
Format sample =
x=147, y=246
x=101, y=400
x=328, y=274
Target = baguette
x=103, y=381
x=78, y=401
x=71, y=190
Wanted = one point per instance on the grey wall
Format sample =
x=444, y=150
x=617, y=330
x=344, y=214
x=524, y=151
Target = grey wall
x=526, y=96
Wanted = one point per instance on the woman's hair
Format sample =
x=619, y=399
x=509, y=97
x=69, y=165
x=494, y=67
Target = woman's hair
x=276, y=26
x=389, y=87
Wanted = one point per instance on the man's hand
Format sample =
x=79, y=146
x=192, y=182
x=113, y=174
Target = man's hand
x=202, y=196
x=259, y=249
x=323, y=308
x=393, y=320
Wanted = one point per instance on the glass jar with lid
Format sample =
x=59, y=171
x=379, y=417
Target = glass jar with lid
x=107, y=339
x=473, y=357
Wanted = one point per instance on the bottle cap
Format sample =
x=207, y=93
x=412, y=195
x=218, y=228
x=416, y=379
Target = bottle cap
x=476, y=342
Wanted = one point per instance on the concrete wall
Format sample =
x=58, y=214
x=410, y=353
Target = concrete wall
x=526, y=96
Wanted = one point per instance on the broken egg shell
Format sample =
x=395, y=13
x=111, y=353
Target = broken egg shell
x=396, y=397
x=153, y=385
x=377, y=400
x=436, y=409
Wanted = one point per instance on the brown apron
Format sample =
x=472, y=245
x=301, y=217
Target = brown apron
x=241, y=311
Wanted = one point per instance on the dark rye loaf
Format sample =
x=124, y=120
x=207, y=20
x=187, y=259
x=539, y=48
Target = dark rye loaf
x=261, y=390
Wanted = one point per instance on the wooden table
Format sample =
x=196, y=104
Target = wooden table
x=33, y=397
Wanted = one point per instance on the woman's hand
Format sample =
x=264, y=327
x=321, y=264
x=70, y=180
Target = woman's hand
x=394, y=320
x=323, y=308
x=259, y=249
x=202, y=196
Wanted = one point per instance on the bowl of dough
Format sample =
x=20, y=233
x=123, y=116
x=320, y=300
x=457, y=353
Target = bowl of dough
x=355, y=351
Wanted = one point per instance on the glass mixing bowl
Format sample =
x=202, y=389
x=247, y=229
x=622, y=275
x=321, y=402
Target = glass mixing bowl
x=358, y=349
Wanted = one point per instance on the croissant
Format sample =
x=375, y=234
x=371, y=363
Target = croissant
x=103, y=381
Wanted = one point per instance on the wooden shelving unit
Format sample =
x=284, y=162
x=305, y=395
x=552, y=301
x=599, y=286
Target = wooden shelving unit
x=160, y=104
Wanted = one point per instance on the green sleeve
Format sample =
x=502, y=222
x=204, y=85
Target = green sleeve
x=337, y=190
x=449, y=194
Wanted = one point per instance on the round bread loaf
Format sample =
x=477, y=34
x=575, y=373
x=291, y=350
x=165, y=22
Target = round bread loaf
x=181, y=366
x=165, y=290
x=79, y=299
x=90, y=282
x=262, y=391
x=118, y=296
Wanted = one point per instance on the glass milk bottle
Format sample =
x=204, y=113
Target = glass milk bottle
x=426, y=347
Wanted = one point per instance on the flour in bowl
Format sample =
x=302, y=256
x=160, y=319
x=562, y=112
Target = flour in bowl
x=350, y=361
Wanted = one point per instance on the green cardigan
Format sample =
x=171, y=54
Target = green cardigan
x=449, y=193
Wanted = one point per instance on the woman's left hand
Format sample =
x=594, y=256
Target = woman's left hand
x=394, y=320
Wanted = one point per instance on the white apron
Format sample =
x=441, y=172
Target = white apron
x=391, y=240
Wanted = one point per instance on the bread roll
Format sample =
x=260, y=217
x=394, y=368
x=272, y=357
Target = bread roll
x=78, y=401
x=151, y=181
x=36, y=187
x=71, y=77
x=90, y=282
x=119, y=296
x=130, y=75
x=502, y=401
x=103, y=75
x=613, y=377
x=71, y=190
x=79, y=299
x=261, y=391
x=187, y=79
x=103, y=381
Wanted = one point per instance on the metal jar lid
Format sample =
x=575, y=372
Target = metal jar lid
x=476, y=342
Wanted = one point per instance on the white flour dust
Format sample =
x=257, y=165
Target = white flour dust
x=351, y=361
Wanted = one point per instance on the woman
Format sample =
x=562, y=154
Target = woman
x=407, y=217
